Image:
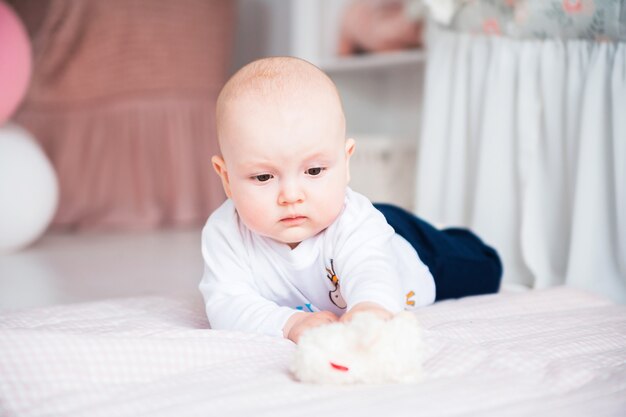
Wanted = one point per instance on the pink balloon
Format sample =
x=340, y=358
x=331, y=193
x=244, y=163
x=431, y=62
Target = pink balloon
x=15, y=61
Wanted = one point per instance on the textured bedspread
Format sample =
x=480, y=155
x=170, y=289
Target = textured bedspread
x=558, y=352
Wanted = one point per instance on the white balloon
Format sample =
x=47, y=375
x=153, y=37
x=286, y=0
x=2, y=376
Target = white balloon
x=29, y=190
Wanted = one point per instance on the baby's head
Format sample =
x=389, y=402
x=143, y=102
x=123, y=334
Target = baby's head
x=284, y=154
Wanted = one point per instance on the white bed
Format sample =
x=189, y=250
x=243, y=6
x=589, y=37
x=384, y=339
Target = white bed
x=557, y=352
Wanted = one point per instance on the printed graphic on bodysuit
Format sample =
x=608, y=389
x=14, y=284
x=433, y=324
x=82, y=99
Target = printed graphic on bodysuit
x=335, y=295
x=410, y=295
x=307, y=307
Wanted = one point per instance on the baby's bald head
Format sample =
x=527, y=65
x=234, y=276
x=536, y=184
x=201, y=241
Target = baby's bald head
x=277, y=82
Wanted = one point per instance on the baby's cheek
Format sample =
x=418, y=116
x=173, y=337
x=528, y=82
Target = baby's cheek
x=254, y=217
x=331, y=208
x=334, y=195
x=252, y=208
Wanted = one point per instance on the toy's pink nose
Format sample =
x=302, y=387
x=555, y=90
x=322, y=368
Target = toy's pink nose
x=339, y=367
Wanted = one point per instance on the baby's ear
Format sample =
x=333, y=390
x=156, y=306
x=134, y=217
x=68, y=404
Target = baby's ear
x=220, y=167
x=350, y=147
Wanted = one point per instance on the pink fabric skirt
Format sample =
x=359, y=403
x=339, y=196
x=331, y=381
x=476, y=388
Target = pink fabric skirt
x=122, y=100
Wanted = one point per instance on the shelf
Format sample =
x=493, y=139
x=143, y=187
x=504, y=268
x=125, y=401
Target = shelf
x=381, y=60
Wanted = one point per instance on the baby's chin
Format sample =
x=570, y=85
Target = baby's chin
x=294, y=241
x=294, y=234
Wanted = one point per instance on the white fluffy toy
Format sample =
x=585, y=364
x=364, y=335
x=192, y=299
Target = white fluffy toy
x=366, y=350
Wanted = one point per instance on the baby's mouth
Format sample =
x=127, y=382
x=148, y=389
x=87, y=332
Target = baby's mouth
x=293, y=220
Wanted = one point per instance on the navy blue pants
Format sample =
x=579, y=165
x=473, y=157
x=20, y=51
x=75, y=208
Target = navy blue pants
x=459, y=261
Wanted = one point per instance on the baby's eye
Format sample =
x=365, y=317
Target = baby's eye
x=315, y=171
x=263, y=177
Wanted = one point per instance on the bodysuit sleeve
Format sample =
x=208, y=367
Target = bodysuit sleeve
x=364, y=258
x=231, y=298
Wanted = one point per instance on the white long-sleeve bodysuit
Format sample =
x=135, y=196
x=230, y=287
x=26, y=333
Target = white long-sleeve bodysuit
x=254, y=283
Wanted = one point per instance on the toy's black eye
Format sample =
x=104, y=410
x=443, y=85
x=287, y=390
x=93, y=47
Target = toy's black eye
x=263, y=177
x=314, y=171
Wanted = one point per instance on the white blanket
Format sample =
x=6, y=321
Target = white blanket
x=558, y=352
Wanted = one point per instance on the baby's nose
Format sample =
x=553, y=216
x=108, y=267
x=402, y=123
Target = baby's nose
x=290, y=193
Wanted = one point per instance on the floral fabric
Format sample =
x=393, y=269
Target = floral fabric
x=600, y=20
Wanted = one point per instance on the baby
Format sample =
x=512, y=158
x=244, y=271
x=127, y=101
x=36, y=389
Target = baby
x=293, y=247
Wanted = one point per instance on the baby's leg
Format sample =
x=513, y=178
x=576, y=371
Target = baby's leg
x=460, y=262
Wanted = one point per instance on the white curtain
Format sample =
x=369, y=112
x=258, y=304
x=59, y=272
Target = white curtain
x=524, y=141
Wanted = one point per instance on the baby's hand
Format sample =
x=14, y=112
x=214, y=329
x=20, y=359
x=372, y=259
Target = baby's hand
x=367, y=307
x=301, y=322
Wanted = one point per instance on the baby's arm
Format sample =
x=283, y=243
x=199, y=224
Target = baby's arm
x=229, y=286
x=365, y=262
x=301, y=322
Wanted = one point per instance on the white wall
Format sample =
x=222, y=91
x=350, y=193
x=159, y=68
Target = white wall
x=262, y=30
x=381, y=101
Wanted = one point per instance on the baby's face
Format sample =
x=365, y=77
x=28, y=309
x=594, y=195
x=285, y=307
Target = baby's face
x=286, y=165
